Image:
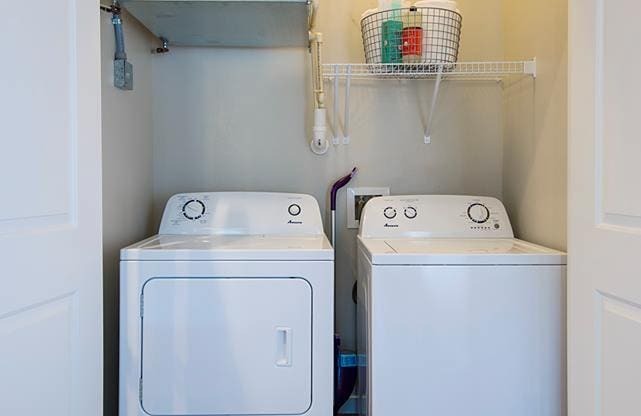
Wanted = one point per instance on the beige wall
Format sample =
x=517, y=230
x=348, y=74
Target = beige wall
x=228, y=119
x=535, y=135
x=127, y=176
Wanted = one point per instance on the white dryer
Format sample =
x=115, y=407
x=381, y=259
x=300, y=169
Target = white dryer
x=456, y=317
x=229, y=309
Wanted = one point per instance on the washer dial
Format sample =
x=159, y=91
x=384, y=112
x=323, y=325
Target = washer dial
x=410, y=213
x=194, y=209
x=478, y=213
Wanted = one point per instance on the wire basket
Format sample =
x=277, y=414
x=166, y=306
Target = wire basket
x=415, y=35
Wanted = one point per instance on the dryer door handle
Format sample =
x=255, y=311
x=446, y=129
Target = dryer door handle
x=284, y=347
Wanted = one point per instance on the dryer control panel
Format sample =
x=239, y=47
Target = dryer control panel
x=242, y=213
x=435, y=216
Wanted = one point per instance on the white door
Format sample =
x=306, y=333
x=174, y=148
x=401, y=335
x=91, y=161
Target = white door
x=604, y=208
x=229, y=346
x=50, y=219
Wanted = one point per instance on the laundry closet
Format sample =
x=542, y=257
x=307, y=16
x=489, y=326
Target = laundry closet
x=207, y=119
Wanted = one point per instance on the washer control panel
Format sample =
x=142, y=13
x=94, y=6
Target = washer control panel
x=241, y=213
x=438, y=216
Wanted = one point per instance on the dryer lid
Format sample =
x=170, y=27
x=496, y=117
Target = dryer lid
x=230, y=247
x=443, y=251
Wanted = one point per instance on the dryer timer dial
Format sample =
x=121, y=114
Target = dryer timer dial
x=193, y=209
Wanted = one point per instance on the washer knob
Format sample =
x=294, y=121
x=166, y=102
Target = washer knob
x=411, y=213
x=294, y=210
x=478, y=213
x=389, y=213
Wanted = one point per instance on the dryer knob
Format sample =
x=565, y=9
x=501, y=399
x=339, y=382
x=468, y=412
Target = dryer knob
x=193, y=209
x=294, y=210
x=389, y=213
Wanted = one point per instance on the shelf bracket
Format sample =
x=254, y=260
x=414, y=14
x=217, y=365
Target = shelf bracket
x=348, y=86
x=430, y=119
x=335, y=139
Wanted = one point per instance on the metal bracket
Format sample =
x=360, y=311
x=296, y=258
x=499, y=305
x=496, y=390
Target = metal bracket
x=165, y=46
x=123, y=75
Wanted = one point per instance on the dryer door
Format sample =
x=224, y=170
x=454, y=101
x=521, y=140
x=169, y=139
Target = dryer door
x=237, y=346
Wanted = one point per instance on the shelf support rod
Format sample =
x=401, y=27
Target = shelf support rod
x=335, y=139
x=430, y=119
x=348, y=86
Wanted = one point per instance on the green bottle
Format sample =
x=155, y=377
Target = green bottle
x=392, y=42
x=392, y=32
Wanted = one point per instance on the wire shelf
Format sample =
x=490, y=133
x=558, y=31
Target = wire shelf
x=459, y=70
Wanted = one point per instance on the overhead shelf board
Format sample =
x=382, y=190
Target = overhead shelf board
x=231, y=23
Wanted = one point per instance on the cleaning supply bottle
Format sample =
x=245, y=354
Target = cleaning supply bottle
x=412, y=36
x=392, y=30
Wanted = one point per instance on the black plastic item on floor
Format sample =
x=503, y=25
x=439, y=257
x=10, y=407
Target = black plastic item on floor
x=344, y=375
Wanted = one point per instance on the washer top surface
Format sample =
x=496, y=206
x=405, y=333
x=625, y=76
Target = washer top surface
x=445, y=230
x=443, y=251
x=237, y=226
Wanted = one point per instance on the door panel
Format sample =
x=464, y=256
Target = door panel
x=41, y=120
x=226, y=346
x=50, y=218
x=45, y=331
x=604, y=238
x=620, y=361
x=618, y=91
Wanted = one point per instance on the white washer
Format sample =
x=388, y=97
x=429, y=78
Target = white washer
x=456, y=316
x=229, y=309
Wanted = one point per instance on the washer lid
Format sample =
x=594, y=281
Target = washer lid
x=216, y=247
x=435, y=251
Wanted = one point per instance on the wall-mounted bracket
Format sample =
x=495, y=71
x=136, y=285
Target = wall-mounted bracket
x=348, y=87
x=337, y=138
x=164, y=48
x=529, y=67
x=123, y=75
x=430, y=119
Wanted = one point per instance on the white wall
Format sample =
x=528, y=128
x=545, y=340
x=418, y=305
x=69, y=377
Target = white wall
x=127, y=176
x=535, y=154
x=228, y=119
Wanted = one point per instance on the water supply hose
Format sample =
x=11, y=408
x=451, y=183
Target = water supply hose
x=116, y=21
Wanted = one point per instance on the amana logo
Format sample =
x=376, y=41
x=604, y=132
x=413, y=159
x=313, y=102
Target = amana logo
x=391, y=225
x=295, y=222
